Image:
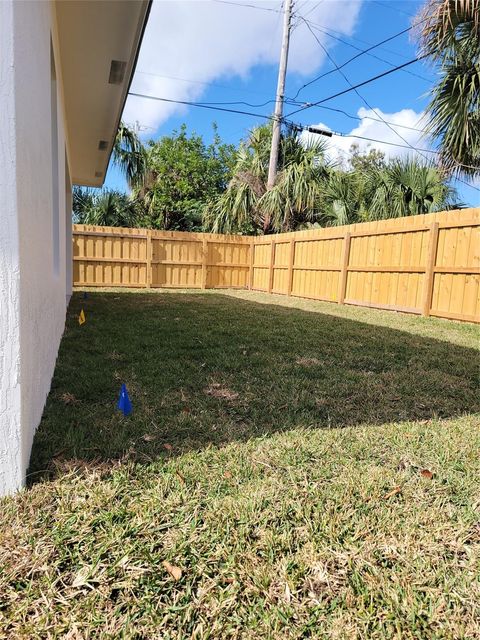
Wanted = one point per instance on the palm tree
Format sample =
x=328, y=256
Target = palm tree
x=342, y=198
x=247, y=205
x=449, y=33
x=399, y=187
x=129, y=155
x=405, y=187
x=104, y=208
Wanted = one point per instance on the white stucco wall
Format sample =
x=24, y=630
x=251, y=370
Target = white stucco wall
x=10, y=439
x=33, y=285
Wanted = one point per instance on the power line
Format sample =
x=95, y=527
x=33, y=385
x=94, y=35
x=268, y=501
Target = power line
x=302, y=5
x=329, y=31
x=369, y=106
x=275, y=29
x=250, y=6
x=199, y=82
x=352, y=117
x=313, y=8
x=402, y=146
x=292, y=102
x=386, y=6
x=249, y=113
x=390, y=144
x=358, y=55
x=360, y=84
x=199, y=104
x=258, y=115
x=366, y=102
x=211, y=84
x=269, y=118
x=407, y=146
x=247, y=104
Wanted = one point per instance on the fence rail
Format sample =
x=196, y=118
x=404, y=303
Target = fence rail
x=427, y=264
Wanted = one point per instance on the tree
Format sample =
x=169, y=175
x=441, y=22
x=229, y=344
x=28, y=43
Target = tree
x=449, y=33
x=182, y=174
x=376, y=189
x=405, y=187
x=342, y=198
x=247, y=206
x=129, y=155
x=104, y=207
x=365, y=160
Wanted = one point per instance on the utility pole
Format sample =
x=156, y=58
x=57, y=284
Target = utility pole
x=282, y=72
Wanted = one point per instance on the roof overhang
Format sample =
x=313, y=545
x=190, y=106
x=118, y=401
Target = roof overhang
x=98, y=43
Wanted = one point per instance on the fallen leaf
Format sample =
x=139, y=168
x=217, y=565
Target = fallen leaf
x=167, y=446
x=425, y=473
x=227, y=475
x=180, y=477
x=396, y=490
x=148, y=437
x=82, y=577
x=185, y=410
x=174, y=571
x=69, y=398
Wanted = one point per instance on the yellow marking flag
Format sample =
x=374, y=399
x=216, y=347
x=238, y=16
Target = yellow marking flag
x=81, y=317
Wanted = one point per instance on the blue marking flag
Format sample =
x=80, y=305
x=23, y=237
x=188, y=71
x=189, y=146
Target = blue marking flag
x=124, y=403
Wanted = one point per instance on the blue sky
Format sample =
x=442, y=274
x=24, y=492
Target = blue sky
x=219, y=51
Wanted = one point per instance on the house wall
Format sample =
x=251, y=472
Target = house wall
x=10, y=440
x=34, y=234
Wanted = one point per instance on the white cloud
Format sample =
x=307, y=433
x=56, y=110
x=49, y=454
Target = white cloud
x=378, y=130
x=208, y=41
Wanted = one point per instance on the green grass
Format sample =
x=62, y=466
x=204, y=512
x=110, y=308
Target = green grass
x=274, y=454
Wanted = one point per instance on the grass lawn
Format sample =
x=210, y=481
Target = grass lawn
x=291, y=469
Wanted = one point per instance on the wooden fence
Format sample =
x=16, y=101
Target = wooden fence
x=427, y=264
x=118, y=257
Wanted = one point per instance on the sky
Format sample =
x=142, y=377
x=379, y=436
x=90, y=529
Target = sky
x=225, y=53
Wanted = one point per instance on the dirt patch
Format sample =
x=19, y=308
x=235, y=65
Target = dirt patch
x=308, y=362
x=114, y=355
x=216, y=390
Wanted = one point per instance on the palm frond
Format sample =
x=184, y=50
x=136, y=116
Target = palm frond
x=449, y=34
x=129, y=155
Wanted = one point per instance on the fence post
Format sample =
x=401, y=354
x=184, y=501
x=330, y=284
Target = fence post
x=148, y=249
x=429, y=269
x=290, y=267
x=252, y=258
x=272, y=263
x=342, y=288
x=204, y=262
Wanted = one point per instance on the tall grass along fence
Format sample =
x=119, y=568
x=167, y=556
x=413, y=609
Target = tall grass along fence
x=427, y=264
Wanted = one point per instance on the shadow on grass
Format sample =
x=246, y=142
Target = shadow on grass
x=209, y=369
